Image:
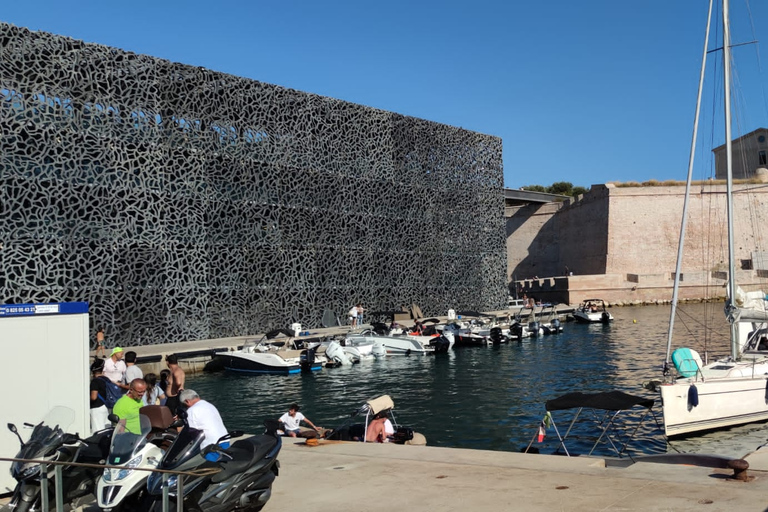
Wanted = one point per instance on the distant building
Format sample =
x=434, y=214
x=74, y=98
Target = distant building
x=750, y=153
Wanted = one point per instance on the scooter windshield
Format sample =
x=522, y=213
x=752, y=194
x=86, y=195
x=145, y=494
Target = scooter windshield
x=46, y=437
x=184, y=447
x=129, y=438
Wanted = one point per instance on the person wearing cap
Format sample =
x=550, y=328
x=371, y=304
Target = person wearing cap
x=114, y=368
x=99, y=411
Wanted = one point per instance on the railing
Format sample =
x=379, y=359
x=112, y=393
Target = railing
x=58, y=492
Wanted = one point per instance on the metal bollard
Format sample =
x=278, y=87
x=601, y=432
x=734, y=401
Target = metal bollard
x=44, y=486
x=165, y=493
x=58, y=488
x=180, y=493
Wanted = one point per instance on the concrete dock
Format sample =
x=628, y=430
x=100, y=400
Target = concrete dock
x=375, y=477
x=194, y=355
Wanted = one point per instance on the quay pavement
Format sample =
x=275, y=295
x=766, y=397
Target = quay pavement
x=370, y=477
x=382, y=478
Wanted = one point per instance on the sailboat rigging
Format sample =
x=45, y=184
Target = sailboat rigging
x=733, y=390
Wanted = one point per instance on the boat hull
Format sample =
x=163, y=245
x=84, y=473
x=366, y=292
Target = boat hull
x=721, y=403
x=263, y=363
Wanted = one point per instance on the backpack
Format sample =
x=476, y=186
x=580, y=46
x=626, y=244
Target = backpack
x=114, y=393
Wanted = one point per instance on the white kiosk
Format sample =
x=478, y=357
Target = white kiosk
x=44, y=353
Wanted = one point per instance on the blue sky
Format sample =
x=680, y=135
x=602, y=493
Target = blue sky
x=586, y=92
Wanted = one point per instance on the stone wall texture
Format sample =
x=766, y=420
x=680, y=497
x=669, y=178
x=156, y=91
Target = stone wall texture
x=184, y=204
x=630, y=235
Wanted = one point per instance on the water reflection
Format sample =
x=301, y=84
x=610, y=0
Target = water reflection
x=489, y=398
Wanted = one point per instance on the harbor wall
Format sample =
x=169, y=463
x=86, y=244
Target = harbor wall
x=621, y=244
x=183, y=204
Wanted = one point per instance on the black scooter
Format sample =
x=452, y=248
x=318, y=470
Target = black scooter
x=49, y=441
x=244, y=482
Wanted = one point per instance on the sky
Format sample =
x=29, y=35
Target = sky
x=587, y=92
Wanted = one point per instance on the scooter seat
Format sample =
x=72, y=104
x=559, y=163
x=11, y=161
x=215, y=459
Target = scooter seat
x=245, y=453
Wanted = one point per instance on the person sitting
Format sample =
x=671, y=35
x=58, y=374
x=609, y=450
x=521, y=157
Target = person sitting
x=292, y=420
x=376, y=432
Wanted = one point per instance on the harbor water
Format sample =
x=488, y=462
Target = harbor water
x=493, y=398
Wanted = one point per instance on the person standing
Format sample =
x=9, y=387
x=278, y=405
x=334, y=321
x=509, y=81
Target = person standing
x=154, y=395
x=360, y=311
x=127, y=408
x=175, y=384
x=131, y=370
x=98, y=390
x=203, y=415
x=100, y=343
x=114, y=368
x=353, y=316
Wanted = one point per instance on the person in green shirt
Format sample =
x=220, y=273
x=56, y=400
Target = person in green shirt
x=127, y=408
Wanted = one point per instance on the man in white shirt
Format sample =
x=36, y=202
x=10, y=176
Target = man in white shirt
x=203, y=415
x=114, y=368
x=292, y=419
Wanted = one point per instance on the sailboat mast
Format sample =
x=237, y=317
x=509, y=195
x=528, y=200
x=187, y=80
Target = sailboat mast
x=729, y=167
x=689, y=180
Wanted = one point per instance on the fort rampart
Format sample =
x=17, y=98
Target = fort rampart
x=621, y=243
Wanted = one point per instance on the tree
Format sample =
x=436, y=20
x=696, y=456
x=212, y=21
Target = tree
x=563, y=188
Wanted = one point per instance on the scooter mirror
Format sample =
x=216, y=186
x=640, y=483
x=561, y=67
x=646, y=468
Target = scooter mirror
x=272, y=426
x=113, y=418
x=13, y=428
x=235, y=433
x=70, y=438
x=178, y=423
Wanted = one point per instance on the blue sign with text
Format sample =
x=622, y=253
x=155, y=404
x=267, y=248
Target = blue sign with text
x=53, y=308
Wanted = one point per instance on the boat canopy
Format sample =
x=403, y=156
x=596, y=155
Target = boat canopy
x=382, y=403
x=607, y=401
x=277, y=332
x=608, y=413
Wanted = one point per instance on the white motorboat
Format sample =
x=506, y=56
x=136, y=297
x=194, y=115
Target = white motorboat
x=732, y=390
x=592, y=311
x=349, y=351
x=272, y=354
x=401, y=344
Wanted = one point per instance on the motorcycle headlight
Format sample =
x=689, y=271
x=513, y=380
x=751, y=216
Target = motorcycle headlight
x=107, y=475
x=29, y=470
x=123, y=473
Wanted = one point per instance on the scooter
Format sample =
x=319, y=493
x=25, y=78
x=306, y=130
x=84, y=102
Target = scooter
x=49, y=441
x=135, y=444
x=244, y=482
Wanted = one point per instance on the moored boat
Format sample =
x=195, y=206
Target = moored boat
x=277, y=352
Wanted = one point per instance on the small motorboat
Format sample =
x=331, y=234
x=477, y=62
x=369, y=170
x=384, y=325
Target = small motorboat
x=356, y=426
x=277, y=352
x=592, y=311
x=401, y=343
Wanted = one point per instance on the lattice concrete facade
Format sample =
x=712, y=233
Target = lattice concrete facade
x=183, y=203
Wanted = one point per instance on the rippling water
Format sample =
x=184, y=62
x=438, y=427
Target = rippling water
x=490, y=398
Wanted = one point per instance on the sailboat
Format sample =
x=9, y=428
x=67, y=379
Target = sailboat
x=697, y=396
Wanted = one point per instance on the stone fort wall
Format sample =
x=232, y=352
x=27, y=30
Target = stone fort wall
x=185, y=204
x=621, y=242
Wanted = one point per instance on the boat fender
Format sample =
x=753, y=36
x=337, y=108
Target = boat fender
x=408, y=352
x=693, y=396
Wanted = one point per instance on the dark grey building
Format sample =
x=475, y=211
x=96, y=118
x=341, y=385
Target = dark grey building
x=183, y=203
